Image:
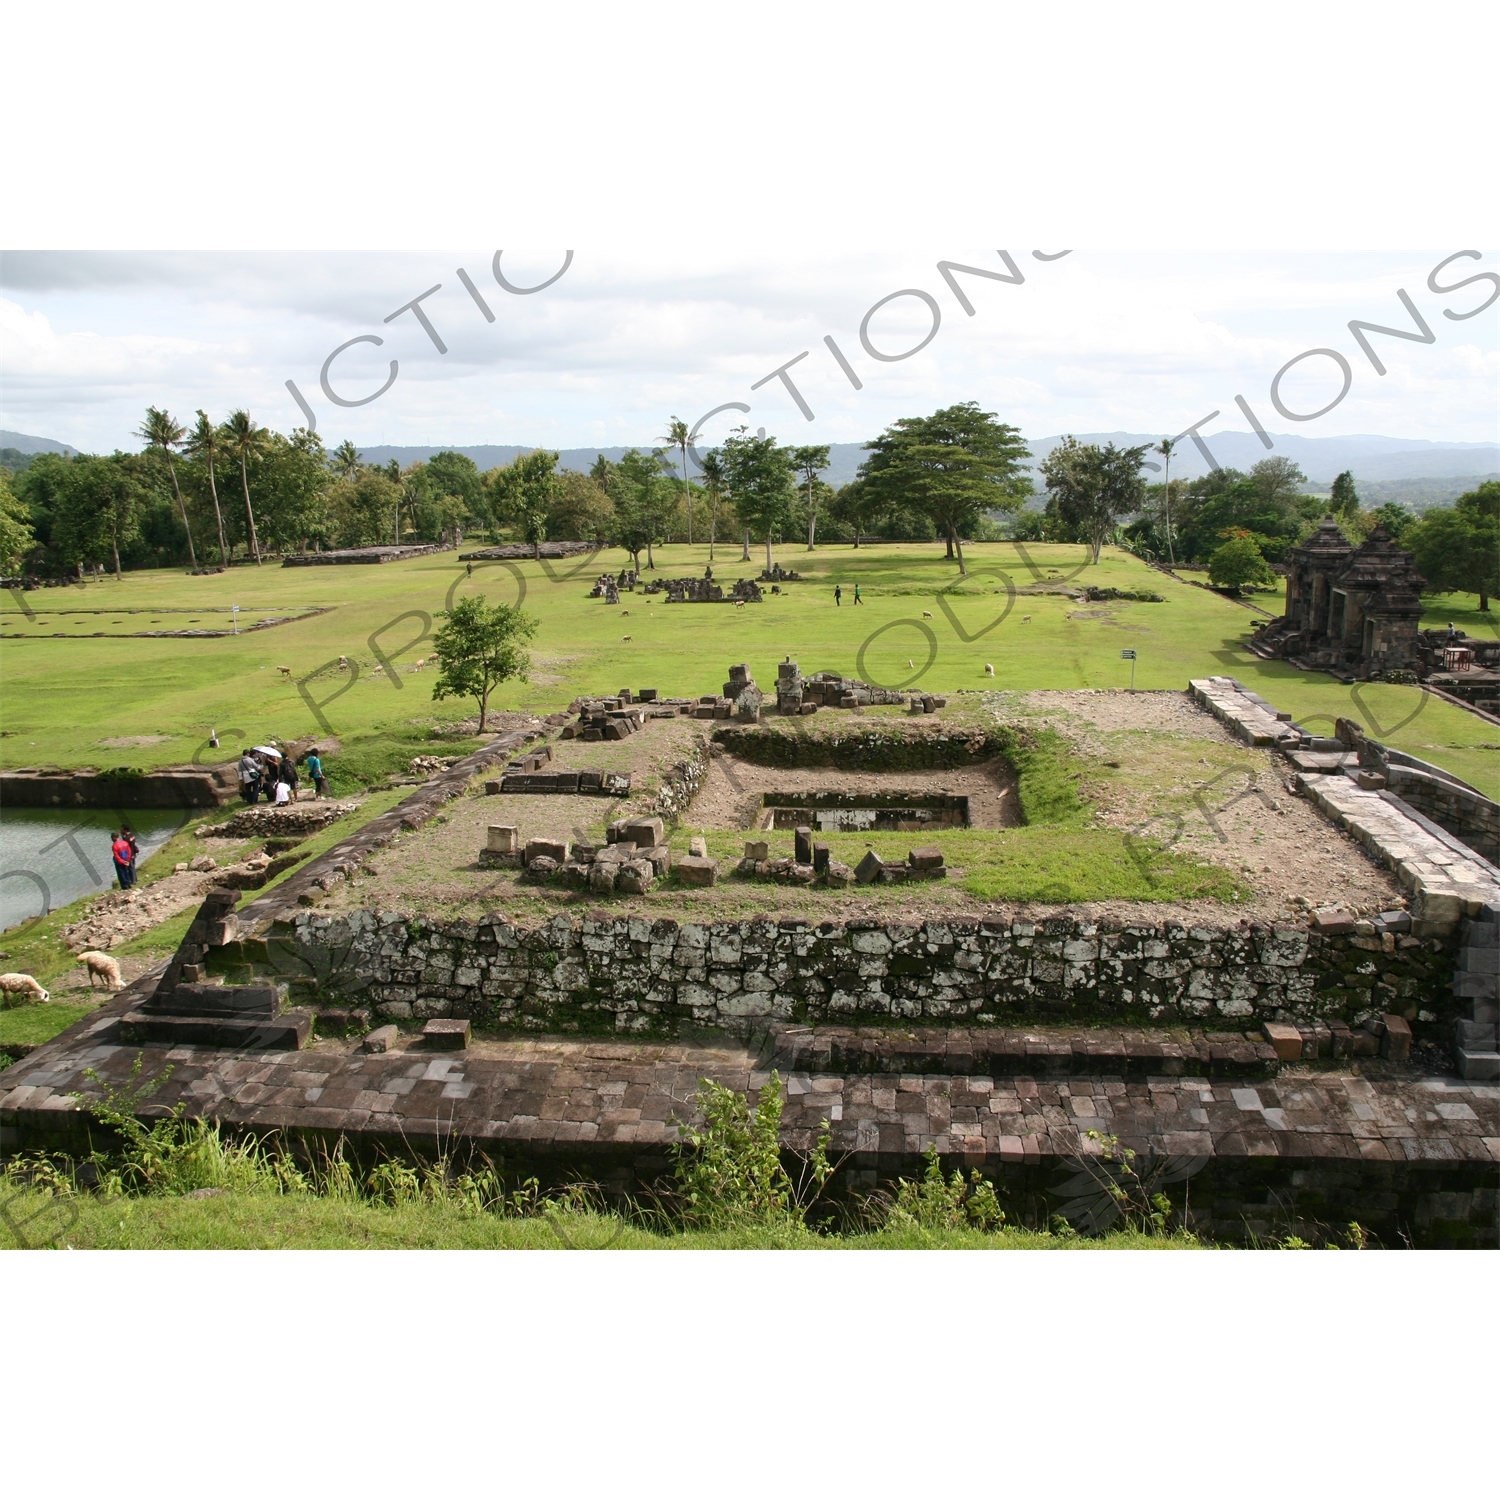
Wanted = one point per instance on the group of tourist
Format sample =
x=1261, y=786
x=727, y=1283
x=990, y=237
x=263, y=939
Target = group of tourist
x=267, y=772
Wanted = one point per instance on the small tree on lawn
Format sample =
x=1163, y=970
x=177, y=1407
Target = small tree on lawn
x=479, y=648
x=1237, y=563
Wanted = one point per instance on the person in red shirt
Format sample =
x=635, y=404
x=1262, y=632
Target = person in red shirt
x=124, y=858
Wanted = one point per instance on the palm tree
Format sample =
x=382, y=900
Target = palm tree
x=344, y=460
x=1166, y=448
x=677, y=437
x=246, y=440
x=711, y=466
x=160, y=431
x=206, y=444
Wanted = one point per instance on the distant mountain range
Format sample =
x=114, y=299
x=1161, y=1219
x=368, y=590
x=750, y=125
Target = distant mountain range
x=1410, y=471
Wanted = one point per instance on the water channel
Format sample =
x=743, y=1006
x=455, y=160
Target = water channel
x=49, y=856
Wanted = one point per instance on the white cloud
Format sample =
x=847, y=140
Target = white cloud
x=1093, y=342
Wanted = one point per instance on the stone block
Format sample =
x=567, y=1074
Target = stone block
x=553, y=849
x=1395, y=921
x=1370, y=781
x=869, y=868
x=602, y=876
x=635, y=877
x=802, y=840
x=492, y=789
x=698, y=847
x=382, y=1039
x=646, y=832
x=929, y=858
x=838, y=874
x=1397, y=1044
x=822, y=854
x=697, y=871
x=502, y=838
x=1332, y=922
x=543, y=867
x=446, y=1034
x=757, y=849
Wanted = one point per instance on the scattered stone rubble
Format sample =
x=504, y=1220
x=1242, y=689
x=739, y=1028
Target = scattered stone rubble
x=296, y=819
x=526, y=775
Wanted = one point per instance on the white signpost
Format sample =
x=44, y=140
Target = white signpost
x=1128, y=654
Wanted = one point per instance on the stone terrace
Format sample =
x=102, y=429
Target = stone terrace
x=1411, y=1155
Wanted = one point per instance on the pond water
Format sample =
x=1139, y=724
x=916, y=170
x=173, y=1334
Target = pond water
x=49, y=857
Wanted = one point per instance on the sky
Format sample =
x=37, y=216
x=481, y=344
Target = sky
x=619, y=342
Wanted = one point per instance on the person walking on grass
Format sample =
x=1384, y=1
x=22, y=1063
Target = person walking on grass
x=838, y=596
x=857, y=599
x=124, y=861
x=314, y=764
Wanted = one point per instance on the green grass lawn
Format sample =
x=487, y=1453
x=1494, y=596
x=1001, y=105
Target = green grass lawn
x=263, y=1221
x=64, y=696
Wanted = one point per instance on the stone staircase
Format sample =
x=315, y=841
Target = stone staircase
x=194, y=1006
x=1477, y=1048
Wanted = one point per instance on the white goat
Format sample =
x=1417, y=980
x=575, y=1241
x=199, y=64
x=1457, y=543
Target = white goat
x=103, y=966
x=21, y=984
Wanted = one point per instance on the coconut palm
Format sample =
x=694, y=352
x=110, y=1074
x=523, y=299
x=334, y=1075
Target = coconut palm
x=206, y=444
x=245, y=440
x=711, y=466
x=160, y=431
x=1166, y=448
x=344, y=460
x=677, y=437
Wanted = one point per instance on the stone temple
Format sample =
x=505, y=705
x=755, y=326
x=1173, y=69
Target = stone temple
x=1354, y=610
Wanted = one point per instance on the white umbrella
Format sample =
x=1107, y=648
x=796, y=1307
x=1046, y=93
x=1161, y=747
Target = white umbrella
x=268, y=750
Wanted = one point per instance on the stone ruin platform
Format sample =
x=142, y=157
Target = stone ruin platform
x=1266, y=1153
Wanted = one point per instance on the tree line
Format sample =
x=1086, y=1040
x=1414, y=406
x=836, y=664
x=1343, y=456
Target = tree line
x=207, y=494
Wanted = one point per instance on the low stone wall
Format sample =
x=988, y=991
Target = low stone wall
x=618, y=974
x=180, y=787
x=1459, y=809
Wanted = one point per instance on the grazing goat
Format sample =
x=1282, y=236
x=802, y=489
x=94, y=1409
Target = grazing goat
x=926, y=614
x=285, y=671
x=21, y=984
x=989, y=669
x=102, y=966
x=1026, y=619
x=624, y=637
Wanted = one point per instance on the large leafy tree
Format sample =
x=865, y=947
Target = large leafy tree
x=100, y=508
x=1279, y=482
x=1343, y=500
x=291, y=476
x=245, y=440
x=455, y=476
x=16, y=534
x=581, y=511
x=1095, y=486
x=206, y=445
x=1457, y=548
x=164, y=434
x=1238, y=563
x=760, y=478
x=481, y=646
x=648, y=501
x=810, y=461
x=857, y=507
x=951, y=467
x=523, y=493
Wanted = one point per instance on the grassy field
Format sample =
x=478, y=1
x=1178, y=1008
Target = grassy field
x=64, y=697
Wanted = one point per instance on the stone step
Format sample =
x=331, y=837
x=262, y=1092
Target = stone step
x=1027, y=1054
x=285, y=1033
